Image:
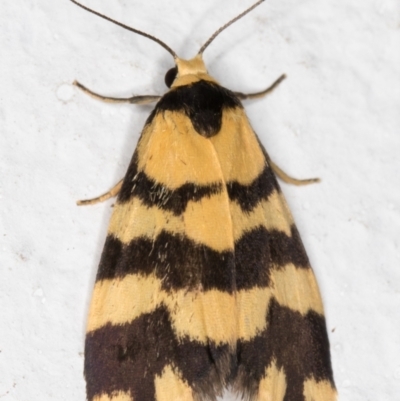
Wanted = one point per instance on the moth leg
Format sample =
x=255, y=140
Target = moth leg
x=288, y=179
x=114, y=191
x=243, y=96
x=133, y=100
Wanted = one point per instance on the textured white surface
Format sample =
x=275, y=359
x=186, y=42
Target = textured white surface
x=336, y=117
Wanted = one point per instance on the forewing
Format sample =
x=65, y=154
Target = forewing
x=283, y=348
x=161, y=325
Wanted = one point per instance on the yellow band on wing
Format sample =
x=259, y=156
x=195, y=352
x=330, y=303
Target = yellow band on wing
x=203, y=315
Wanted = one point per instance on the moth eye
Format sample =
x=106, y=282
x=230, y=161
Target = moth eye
x=170, y=76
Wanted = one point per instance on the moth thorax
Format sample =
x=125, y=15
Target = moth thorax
x=195, y=66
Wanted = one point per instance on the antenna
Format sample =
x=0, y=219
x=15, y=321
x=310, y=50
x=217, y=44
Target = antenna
x=226, y=26
x=165, y=46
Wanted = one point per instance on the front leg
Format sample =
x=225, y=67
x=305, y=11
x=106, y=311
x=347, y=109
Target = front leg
x=288, y=179
x=114, y=191
x=244, y=96
x=133, y=100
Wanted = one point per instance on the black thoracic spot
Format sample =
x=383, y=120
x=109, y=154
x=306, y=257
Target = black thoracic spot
x=170, y=76
x=203, y=102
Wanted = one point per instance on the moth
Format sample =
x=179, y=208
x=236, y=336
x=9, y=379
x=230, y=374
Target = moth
x=203, y=283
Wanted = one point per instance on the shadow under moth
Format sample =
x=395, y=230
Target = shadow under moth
x=203, y=283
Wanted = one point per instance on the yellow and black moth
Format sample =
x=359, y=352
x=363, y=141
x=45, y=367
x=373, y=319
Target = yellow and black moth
x=203, y=283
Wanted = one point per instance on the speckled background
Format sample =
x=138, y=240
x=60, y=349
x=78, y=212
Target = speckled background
x=336, y=117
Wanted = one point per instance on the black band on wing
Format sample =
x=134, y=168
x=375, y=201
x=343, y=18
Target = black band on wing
x=248, y=196
x=299, y=344
x=183, y=264
x=115, y=355
x=138, y=184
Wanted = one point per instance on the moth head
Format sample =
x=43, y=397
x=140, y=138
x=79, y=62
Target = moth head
x=170, y=76
x=186, y=71
x=196, y=66
x=182, y=68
